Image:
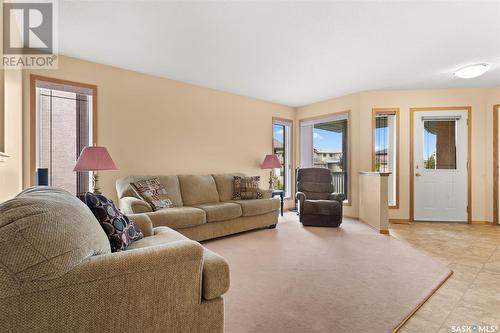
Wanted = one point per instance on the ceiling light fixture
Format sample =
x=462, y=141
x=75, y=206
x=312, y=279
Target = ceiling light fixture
x=472, y=71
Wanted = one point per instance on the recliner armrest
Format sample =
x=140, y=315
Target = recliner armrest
x=337, y=197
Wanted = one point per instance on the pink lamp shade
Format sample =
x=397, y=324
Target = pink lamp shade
x=94, y=158
x=271, y=162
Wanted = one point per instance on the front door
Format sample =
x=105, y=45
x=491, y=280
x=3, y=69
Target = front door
x=440, y=165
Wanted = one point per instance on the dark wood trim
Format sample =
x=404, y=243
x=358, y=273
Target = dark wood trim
x=394, y=111
x=33, y=79
x=469, y=153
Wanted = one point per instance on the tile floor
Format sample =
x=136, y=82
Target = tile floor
x=471, y=296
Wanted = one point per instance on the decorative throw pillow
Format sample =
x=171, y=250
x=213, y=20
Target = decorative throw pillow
x=245, y=188
x=121, y=231
x=153, y=192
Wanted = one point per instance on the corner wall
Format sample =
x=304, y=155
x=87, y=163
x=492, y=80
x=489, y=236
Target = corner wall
x=153, y=125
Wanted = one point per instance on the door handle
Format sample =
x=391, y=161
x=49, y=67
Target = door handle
x=418, y=174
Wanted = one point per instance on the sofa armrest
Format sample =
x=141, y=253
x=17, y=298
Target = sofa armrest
x=131, y=266
x=163, y=281
x=132, y=205
x=143, y=222
x=337, y=197
x=266, y=193
x=215, y=275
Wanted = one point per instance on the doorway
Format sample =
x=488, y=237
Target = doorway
x=440, y=164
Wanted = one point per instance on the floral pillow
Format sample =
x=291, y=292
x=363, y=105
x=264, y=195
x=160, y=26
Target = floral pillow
x=153, y=192
x=121, y=231
x=245, y=188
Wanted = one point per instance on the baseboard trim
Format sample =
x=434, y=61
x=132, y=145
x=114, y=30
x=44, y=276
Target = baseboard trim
x=400, y=221
x=482, y=222
x=383, y=232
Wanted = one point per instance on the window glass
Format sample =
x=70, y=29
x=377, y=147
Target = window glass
x=330, y=151
x=279, y=143
x=439, y=144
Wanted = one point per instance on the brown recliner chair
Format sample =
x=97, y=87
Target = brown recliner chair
x=319, y=205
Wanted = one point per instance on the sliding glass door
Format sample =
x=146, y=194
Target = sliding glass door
x=325, y=144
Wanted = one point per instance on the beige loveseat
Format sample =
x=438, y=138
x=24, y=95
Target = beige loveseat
x=57, y=273
x=203, y=206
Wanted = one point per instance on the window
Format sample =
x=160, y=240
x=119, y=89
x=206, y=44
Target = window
x=439, y=144
x=63, y=118
x=282, y=147
x=325, y=144
x=385, y=149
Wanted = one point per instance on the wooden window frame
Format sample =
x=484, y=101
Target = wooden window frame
x=388, y=111
x=288, y=122
x=33, y=79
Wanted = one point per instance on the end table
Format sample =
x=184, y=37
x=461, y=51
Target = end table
x=281, y=194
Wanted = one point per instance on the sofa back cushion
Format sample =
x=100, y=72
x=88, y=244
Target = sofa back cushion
x=198, y=189
x=171, y=183
x=224, y=184
x=315, y=183
x=45, y=232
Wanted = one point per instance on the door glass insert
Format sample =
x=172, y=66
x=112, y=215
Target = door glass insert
x=440, y=144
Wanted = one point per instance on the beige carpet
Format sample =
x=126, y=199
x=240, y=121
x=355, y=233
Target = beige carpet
x=307, y=279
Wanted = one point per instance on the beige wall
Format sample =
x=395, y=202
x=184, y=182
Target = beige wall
x=153, y=125
x=373, y=200
x=11, y=167
x=481, y=100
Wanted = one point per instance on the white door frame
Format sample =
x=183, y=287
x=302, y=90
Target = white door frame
x=469, y=164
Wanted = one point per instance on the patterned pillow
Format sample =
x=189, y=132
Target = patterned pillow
x=245, y=188
x=120, y=230
x=153, y=192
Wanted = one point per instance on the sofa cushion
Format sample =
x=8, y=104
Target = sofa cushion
x=171, y=183
x=120, y=230
x=221, y=211
x=153, y=192
x=224, y=184
x=46, y=232
x=245, y=188
x=321, y=207
x=178, y=217
x=258, y=206
x=161, y=235
x=198, y=189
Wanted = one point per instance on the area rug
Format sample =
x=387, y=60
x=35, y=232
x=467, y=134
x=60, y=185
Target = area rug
x=311, y=279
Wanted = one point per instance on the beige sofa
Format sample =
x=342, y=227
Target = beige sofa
x=57, y=273
x=203, y=206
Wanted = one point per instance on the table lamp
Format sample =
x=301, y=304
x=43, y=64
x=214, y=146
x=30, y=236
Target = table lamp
x=94, y=158
x=271, y=162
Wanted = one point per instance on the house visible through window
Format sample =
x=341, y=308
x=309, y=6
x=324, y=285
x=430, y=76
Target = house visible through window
x=64, y=119
x=385, y=150
x=324, y=144
x=282, y=143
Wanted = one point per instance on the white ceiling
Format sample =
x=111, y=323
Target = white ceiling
x=293, y=53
